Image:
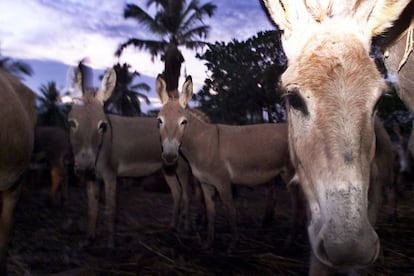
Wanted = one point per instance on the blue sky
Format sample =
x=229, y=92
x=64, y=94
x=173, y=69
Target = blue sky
x=55, y=34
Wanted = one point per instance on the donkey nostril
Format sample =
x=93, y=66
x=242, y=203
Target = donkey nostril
x=321, y=253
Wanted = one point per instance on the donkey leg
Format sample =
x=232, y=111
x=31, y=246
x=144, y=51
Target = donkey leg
x=9, y=200
x=183, y=174
x=92, y=189
x=391, y=197
x=201, y=219
x=175, y=188
x=297, y=202
x=226, y=196
x=110, y=208
x=55, y=179
x=316, y=268
x=271, y=196
x=208, y=191
x=375, y=195
x=64, y=183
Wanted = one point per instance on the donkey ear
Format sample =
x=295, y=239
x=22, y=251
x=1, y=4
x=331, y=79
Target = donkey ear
x=78, y=80
x=283, y=13
x=383, y=14
x=187, y=91
x=161, y=88
x=107, y=86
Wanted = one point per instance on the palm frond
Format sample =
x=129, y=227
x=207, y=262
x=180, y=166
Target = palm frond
x=207, y=9
x=143, y=18
x=155, y=48
x=195, y=44
x=188, y=19
x=16, y=68
x=182, y=23
x=162, y=3
x=141, y=86
x=194, y=14
x=140, y=95
x=197, y=32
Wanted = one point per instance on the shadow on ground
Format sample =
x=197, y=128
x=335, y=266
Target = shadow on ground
x=51, y=241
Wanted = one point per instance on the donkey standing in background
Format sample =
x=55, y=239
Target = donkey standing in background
x=52, y=145
x=16, y=138
x=332, y=88
x=107, y=146
x=399, y=61
x=221, y=155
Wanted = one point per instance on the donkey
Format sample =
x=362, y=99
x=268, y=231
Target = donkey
x=53, y=146
x=107, y=146
x=399, y=62
x=220, y=155
x=332, y=87
x=18, y=120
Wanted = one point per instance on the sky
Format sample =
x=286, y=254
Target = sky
x=52, y=35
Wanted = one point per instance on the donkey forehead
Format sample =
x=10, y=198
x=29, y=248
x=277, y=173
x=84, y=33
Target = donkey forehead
x=87, y=112
x=316, y=34
x=334, y=64
x=172, y=110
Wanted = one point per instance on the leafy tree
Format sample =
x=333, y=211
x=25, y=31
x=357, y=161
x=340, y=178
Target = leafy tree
x=243, y=79
x=125, y=98
x=175, y=23
x=50, y=112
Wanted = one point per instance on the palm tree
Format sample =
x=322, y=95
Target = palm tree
x=125, y=97
x=14, y=67
x=175, y=23
x=50, y=113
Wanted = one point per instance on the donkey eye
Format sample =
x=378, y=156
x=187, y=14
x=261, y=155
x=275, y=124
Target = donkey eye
x=378, y=104
x=295, y=100
x=159, y=122
x=73, y=124
x=102, y=127
x=183, y=122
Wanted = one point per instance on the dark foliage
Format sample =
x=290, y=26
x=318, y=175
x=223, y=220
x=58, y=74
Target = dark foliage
x=49, y=111
x=243, y=81
x=125, y=97
x=15, y=67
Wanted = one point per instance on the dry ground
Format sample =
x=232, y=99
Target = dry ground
x=51, y=241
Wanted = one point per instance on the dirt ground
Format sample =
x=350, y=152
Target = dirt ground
x=50, y=241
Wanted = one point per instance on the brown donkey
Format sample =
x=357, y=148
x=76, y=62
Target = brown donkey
x=332, y=87
x=221, y=155
x=107, y=146
x=16, y=139
x=399, y=60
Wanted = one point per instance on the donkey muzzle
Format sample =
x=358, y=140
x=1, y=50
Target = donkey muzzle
x=169, y=158
x=341, y=235
x=170, y=151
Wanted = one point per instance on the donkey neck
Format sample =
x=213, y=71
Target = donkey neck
x=200, y=138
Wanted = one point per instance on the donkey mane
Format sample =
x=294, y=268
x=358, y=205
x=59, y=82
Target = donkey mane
x=199, y=115
x=89, y=96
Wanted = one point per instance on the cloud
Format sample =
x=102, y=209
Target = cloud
x=68, y=30
x=62, y=30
